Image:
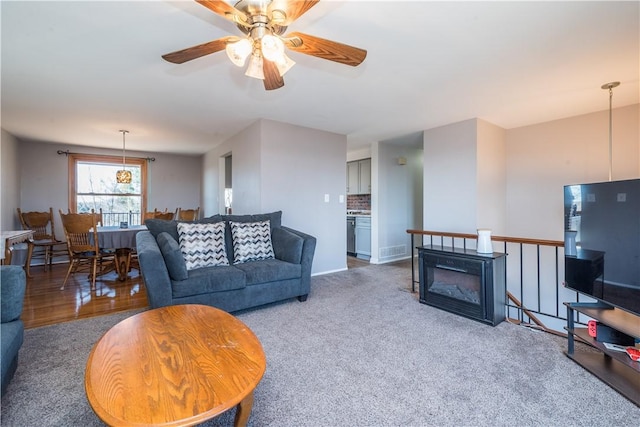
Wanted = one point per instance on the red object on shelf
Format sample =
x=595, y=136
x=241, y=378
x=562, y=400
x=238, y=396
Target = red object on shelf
x=592, y=326
x=633, y=353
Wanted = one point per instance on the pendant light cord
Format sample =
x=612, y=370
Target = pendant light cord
x=610, y=86
x=610, y=131
x=123, y=149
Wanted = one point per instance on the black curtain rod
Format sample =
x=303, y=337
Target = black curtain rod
x=67, y=152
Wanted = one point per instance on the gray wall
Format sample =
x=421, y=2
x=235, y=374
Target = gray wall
x=9, y=182
x=277, y=166
x=450, y=179
x=43, y=179
x=397, y=204
x=542, y=158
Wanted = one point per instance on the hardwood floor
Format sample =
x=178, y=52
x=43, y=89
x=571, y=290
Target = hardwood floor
x=45, y=304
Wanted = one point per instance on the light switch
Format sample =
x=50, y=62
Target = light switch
x=622, y=197
x=326, y=198
x=341, y=198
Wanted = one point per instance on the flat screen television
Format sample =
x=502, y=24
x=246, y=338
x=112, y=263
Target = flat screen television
x=602, y=241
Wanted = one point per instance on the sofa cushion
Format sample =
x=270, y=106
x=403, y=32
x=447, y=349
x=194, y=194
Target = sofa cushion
x=202, y=245
x=157, y=226
x=274, y=218
x=251, y=241
x=172, y=256
x=269, y=270
x=209, y=279
x=275, y=221
x=287, y=246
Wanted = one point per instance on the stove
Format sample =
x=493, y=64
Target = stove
x=357, y=212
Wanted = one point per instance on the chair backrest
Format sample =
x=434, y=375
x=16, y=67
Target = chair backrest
x=98, y=215
x=148, y=215
x=81, y=232
x=163, y=215
x=156, y=214
x=40, y=222
x=188, y=214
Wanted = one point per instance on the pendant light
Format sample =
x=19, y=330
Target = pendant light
x=123, y=176
x=610, y=87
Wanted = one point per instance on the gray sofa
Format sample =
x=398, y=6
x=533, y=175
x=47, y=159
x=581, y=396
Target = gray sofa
x=231, y=287
x=12, y=288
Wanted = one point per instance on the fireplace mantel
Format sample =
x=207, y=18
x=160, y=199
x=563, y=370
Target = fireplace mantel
x=464, y=282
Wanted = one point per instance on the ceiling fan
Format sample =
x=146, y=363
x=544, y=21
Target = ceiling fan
x=264, y=23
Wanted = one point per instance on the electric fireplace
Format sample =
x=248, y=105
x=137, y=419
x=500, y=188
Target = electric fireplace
x=464, y=282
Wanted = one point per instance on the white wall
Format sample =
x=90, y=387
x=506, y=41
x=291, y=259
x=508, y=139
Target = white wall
x=9, y=182
x=542, y=158
x=277, y=166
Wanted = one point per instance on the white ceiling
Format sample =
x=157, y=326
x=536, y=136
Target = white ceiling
x=77, y=72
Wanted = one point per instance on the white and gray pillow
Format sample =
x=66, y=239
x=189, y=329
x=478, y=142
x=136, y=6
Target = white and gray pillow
x=202, y=245
x=251, y=241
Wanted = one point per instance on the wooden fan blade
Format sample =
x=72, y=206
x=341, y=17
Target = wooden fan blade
x=325, y=49
x=272, y=78
x=225, y=10
x=295, y=9
x=184, y=55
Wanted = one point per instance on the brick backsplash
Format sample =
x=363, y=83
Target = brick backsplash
x=359, y=202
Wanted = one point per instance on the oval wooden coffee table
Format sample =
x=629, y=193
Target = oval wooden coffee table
x=174, y=366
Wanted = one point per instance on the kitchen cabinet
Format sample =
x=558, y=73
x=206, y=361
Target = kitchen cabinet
x=363, y=237
x=359, y=177
x=353, y=178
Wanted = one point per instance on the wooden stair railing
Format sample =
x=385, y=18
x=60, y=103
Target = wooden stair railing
x=442, y=235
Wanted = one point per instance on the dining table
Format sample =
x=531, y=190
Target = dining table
x=11, y=238
x=122, y=241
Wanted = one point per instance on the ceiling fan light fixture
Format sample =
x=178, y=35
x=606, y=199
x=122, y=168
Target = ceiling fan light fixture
x=272, y=48
x=284, y=65
x=239, y=51
x=255, y=67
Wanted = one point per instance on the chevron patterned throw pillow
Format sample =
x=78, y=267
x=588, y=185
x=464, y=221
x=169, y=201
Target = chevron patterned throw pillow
x=251, y=241
x=202, y=245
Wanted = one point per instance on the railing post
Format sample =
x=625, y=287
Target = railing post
x=413, y=271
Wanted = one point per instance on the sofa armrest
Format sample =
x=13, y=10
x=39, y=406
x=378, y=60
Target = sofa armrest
x=13, y=283
x=287, y=246
x=306, y=259
x=154, y=270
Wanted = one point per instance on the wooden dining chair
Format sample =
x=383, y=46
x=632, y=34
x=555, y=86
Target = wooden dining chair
x=81, y=233
x=44, y=244
x=166, y=215
x=187, y=214
x=99, y=217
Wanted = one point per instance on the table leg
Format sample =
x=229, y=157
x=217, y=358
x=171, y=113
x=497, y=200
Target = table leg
x=123, y=259
x=27, y=265
x=243, y=410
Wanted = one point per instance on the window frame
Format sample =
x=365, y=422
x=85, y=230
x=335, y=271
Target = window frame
x=75, y=158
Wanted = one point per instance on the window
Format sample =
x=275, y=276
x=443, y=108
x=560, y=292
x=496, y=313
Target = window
x=92, y=185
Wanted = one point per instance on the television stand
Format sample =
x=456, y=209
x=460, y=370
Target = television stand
x=614, y=368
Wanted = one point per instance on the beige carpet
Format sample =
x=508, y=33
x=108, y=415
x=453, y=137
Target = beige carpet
x=361, y=351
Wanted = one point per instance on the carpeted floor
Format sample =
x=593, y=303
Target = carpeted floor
x=361, y=351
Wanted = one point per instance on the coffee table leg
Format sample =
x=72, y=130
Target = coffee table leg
x=243, y=410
